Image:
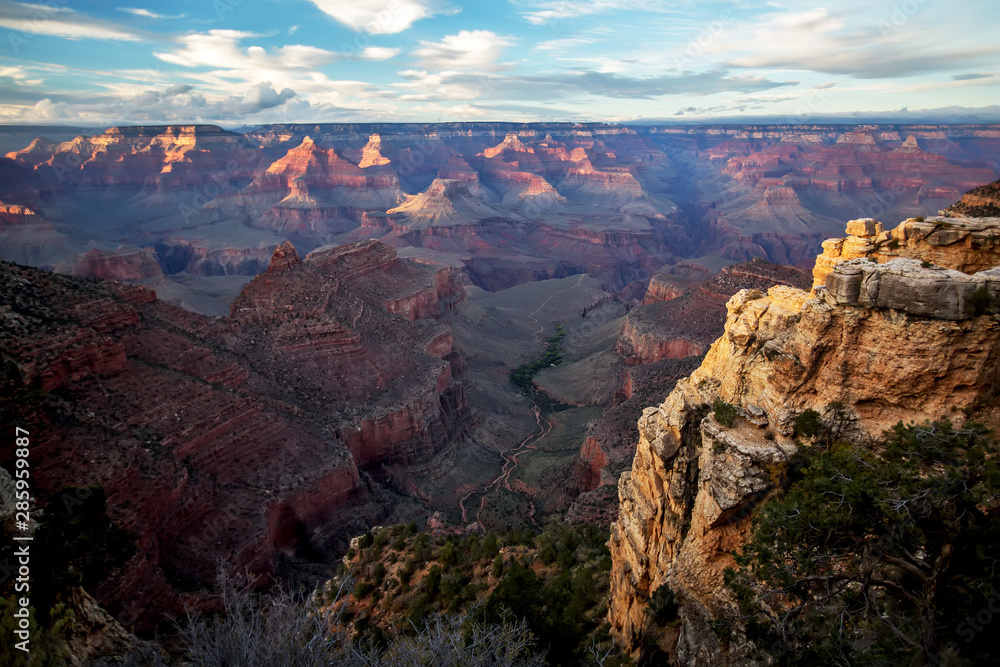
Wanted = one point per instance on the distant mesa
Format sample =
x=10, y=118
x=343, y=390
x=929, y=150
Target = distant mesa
x=445, y=202
x=132, y=265
x=371, y=154
x=509, y=143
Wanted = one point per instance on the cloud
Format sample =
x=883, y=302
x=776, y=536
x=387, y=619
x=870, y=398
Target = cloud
x=59, y=22
x=20, y=76
x=263, y=96
x=377, y=53
x=148, y=14
x=972, y=76
x=376, y=17
x=178, y=103
x=475, y=50
x=561, y=87
x=220, y=49
x=178, y=89
x=539, y=12
x=828, y=42
x=563, y=43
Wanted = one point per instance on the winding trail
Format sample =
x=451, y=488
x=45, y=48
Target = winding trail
x=543, y=426
x=530, y=443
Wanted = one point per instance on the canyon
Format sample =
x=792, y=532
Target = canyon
x=509, y=203
x=264, y=343
x=249, y=439
x=889, y=332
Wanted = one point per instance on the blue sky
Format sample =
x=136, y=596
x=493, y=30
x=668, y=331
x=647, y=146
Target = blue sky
x=243, y=62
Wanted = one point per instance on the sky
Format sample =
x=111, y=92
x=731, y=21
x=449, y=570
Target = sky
x=248, y=62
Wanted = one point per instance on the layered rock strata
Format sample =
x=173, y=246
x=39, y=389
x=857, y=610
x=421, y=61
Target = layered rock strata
x=244, y=439
x=891, y=340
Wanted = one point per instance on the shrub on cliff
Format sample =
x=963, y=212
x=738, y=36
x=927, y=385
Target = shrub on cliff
x=880, y=556
x=725, y=413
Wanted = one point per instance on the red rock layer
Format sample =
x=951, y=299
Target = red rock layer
x=132, y=265
x=327, y=176
x=979, y=202
x=687, y=324
x=587, y=469
x=236, y=438
x=169, y=157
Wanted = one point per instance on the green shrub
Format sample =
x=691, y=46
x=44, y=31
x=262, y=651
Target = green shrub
x=808, y=424
x=663, y=605
x=725, y=413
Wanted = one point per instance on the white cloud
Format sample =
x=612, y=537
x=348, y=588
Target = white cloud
x=562, y=44
x=378, y=53
x=59, y=22
x=148, y=14
x=841, y=43
x=376, y=17
x=220, y=48
x=547, y=11
x=263, y=96
x=177, y=103
x=474, y=50
x=20, y=76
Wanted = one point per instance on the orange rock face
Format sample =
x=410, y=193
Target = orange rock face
x=897, y=351
x=172, y=157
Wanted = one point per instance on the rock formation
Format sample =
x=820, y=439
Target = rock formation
x=617, y=202
x=171, y=157
x=890, y=339
x=371, y=154
x=969, y=246
x=27, y=237
x=133, y=265
x=686, y=324
x=983, y=201
x=246, y=438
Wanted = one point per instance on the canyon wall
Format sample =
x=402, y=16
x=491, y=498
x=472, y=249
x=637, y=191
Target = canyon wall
x=891, y=339
x=509, y=202
x=250, y=439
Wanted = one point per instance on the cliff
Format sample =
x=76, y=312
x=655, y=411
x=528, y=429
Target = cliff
x=687, y=322
x=244, y=439
x=133, y=265
x=168, y=158
x=979, y=202
x=890, y=339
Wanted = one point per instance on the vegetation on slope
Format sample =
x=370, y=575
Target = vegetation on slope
x=555, y=582
x=879, y=555
x=523, y=374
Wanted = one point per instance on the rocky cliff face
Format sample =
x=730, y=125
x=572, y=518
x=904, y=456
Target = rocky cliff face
x=133, y=265
x=890, y=339
x=686, y=323
x=541, y=200
x=166, y=158
x=246, y=438
x=983, y=201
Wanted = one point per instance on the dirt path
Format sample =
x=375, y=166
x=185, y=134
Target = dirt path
x=543, y=426
x=530, y=443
